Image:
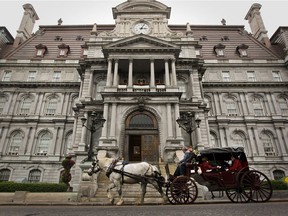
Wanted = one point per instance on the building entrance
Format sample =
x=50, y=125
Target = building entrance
x=142, y=143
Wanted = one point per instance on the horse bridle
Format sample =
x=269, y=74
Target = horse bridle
x=94, y=167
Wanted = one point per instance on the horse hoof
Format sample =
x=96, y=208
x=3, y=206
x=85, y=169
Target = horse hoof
x=111, y=201
x=120, y=202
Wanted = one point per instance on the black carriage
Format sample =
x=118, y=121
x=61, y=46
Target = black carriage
x=245, y=185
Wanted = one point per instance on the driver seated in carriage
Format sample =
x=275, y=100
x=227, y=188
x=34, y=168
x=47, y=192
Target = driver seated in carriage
x=188, y=157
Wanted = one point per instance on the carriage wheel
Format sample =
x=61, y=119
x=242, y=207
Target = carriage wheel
x=259, y=184
x=184, y=190
x=239, y=195
x=169, y=195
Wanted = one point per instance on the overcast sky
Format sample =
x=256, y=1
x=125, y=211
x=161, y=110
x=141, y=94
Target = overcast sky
x=85, y=12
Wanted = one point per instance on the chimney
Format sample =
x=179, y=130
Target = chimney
x=27, y=24
x=256, y=24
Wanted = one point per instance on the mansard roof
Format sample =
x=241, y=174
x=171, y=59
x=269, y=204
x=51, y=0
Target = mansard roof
x=143, y=43
x=53, y=36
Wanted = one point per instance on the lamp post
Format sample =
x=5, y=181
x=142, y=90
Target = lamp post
x=97, y=121
x=186, y=123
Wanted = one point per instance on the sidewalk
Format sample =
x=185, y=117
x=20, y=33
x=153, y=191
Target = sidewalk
x=70, y=198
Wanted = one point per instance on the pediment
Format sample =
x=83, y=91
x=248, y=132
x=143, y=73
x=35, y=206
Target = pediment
x=141, y=43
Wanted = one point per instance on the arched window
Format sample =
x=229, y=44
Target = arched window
x=258, y=107
x=44, y=142
x=141, y=121
x=283, y=104
x=51, y=106
x=239, y=140
x=68, y=143
x=268, y=145
x=231, y=107
x=100, y=88
x=34, y=176
x=15, y=143
x=213, y=140
x=4, y=175
x=3, y=101
x=25, y=106
x=278, y=174
x=182, y=85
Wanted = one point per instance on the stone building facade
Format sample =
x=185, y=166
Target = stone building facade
x=141, y=74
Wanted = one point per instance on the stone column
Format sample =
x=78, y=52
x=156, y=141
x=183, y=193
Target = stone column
x=109, y=73
x=113, y=121
x=115, y=79
x=177, y=115
x=130, y=73
x=192, y=83
x=152, y=73
x=90, y=86
x=53, y=144
x=25, y=141
x=82, y=144
x=169, y=121
x=252, y=141
x=3, y=133
x=243, y=103
x=59, y=142
x=174, y=78
x=105, y=116
x=32, y=140
x=270, y=104
x=247, y=104
x=274, y=102
x=167, y=77
x=217, y=104
x=221, y=103
x=39, y=103
x=258, y=142
x=222, y=136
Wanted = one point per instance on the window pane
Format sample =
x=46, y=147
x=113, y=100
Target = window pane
x=51, y=106
x=32, y=75
x=57, y=76
x=43, y=144
x=268, y=145
x=25, y=106
x=2, y=104
x=34, y=176
x=141, y=121
x=278, y=174
x=226, y=76
x=4, y=175
x=7, y=76
x=15, y=144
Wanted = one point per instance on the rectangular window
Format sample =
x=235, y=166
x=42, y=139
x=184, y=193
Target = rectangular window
x=197, y=52
x=226, y=76
x=57, y=76
x=276, y=76
x=7, y=76
x=39, y=52
x=62, y=52
x=251, y=76
x=31, y=76
x=85, y=52
x=220, y=52
x=243, y=52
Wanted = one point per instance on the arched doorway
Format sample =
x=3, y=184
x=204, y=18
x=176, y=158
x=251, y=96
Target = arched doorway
x=141, y=133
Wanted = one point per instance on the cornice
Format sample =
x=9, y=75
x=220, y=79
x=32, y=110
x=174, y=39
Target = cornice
x=39, y=84
x=244, y=84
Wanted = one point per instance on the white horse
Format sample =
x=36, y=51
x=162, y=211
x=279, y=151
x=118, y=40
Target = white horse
x=119, y=174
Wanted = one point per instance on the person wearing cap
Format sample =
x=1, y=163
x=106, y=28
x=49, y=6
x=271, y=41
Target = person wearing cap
x=187, y=158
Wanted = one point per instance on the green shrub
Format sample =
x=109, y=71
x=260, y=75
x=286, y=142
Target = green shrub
x=279, y=185
x=32, y=187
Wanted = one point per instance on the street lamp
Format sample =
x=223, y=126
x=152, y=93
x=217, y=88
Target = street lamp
x=186, y=123
x=97, y=121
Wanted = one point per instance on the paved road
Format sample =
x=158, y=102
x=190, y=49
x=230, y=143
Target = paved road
x=220, y=209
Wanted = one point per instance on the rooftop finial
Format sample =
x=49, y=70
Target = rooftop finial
x=60, y=21
x=223, y=21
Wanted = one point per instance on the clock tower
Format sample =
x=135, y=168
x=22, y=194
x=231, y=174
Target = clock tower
x=148, y=17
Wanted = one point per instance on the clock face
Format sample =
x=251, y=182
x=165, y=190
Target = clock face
x=141, y=28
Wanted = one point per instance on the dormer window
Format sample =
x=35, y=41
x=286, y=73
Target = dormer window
x=63, y=50
x=84, y=50
x=242, y=50
x=219, y=50
x=198, y=50
x=79, y=38
x=204, y=38
x=40, y=50
x=58, y=38
x=225, y=38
